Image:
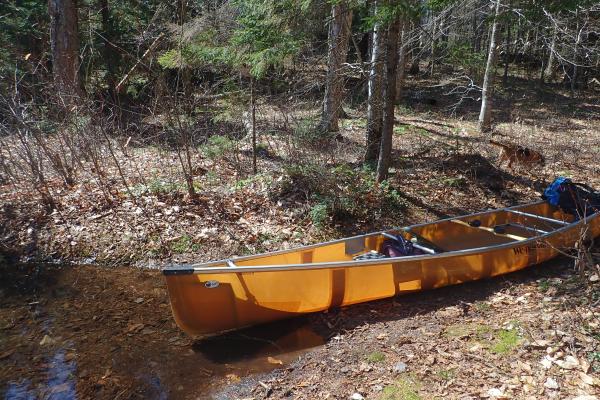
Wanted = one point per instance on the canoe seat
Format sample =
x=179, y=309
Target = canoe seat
x=423, y=244
x=492, y=230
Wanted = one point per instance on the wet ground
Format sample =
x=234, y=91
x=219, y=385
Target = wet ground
x=91, y=332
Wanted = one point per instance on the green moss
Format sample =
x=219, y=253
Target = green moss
x=446, y=374
x=375, y=357
x=400, y=130
x=158, y=186
x=482, y=306
x=404, y=389
x=544, y=285
x=184, y=244
x=461, y=330
x=505, y=341
x=358, y=122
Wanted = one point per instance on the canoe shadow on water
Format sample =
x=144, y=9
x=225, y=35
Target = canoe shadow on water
x=265, y=340
x=292, y=336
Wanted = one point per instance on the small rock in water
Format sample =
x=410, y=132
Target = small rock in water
x=551, y=383
x=400, y=367
x=594, y=278
x=47, y=340
x=357, y=396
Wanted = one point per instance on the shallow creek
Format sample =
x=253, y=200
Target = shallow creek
x=75, y=332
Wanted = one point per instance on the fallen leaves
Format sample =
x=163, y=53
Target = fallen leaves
x=134, y=328
x=7, y=354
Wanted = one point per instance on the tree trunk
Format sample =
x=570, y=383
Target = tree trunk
x=64, y=41
x=375, y=99
x=575, y=62
x=401, y=62
x=109, y=52
x=253, y=125
x=339, y=34
x=485, y=115
x=506, y=54
x=433, y=45
x=542, y=68
x=478, y=31
x=389, y=95
x=550, y=66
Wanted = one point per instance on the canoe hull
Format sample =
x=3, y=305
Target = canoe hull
x=207, y=302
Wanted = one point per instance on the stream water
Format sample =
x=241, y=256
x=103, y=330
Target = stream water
x=72, y=332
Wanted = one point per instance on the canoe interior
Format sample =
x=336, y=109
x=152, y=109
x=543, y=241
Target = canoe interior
x=224, y=295
x=447, y=235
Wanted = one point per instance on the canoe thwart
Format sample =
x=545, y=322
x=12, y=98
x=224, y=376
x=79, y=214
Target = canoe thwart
x=423, y=244
x=423, y=248
x=525, y=227
x=526, y=214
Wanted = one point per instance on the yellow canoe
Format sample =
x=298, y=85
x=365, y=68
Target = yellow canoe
x=238, y=292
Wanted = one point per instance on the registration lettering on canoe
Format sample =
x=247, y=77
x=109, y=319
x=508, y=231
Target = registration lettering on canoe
x=521, y=250
x=525, y=250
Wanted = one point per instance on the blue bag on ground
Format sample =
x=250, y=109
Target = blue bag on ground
x=552, y=192
x=573, y=198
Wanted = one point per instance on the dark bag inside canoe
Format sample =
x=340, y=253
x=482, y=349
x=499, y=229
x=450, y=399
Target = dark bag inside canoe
x=399, y=247
x=577, y=199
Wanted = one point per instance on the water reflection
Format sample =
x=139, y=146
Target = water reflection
x=60, y=384
x=156, y=389
x=20, y=391
x=61, y=378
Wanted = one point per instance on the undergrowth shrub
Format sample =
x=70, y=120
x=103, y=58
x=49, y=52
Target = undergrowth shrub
x=461, y=55
x=339, y=193
x=319, y=214
x=306, y=131
x=217, y=147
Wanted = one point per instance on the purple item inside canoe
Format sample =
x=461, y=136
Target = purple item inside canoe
x=399, y=247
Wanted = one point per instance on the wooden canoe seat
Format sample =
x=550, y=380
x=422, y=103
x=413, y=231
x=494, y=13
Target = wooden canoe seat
x=491, y=230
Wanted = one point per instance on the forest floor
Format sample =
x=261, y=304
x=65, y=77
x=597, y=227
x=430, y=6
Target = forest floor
x=530, y=335
x=533, y=334
x=441, y=167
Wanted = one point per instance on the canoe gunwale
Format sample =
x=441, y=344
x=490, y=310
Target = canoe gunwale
x=210, y=267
